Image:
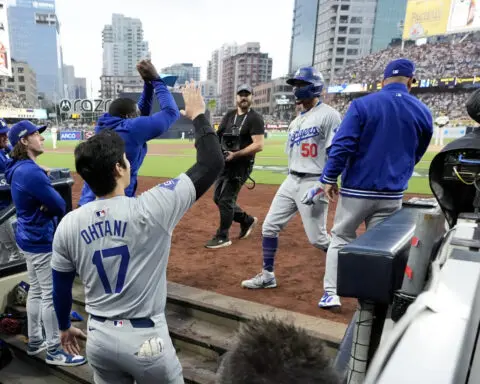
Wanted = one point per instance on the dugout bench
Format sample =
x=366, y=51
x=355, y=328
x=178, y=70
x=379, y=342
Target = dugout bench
x=371, y=269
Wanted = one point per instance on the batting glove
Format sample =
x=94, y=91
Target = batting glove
x=151, y=348
x=314, y=195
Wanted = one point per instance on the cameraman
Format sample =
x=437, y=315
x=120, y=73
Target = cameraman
x=241, y=134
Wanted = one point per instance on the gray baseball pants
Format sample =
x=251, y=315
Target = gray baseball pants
x=350, y=214
x=112, y=352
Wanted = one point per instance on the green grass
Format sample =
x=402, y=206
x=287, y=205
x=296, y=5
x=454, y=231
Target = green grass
x=273, y=155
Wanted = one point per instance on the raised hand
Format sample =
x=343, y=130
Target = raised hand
x=194, y=103
x=147, y=70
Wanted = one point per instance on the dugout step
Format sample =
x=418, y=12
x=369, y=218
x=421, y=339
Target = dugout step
x=82, y=374
x=198, y=343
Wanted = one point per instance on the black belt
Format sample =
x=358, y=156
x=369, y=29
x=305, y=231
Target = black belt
x=143, y=322
x=301, y=174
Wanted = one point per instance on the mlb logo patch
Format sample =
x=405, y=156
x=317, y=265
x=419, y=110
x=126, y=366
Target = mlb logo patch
x=170, y=184
x=101, y=213
x=118, y=323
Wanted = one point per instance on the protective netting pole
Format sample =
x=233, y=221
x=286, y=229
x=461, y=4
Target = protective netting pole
x=361, y=342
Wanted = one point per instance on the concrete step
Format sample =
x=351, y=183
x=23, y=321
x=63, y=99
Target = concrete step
x=197, y=368
x=196, y=334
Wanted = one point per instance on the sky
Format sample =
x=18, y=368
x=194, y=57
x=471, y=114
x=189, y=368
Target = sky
x=178, y=31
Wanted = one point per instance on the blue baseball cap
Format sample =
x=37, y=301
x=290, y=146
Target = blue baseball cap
x=22, y=129
x=3, y=127
x=400, y=67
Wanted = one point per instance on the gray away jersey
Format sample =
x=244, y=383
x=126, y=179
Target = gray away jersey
x=309, y=135
x=120, y=249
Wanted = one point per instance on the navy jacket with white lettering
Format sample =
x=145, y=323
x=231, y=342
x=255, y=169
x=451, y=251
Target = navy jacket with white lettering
x=381, y=138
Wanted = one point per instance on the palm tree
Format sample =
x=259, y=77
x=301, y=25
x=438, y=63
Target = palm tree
x=211, y=105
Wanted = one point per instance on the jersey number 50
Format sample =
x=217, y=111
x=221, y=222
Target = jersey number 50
x=309, y=150
x=97, y=260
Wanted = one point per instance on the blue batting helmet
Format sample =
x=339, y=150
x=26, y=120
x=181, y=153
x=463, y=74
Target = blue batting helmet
x=309, y=75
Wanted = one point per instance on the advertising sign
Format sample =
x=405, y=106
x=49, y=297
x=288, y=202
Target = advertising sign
x=425, y=18
x=5, y=53
x=464, y=16
x=70, y=135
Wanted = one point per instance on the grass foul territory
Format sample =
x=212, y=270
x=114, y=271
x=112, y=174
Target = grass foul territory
x=168, y=158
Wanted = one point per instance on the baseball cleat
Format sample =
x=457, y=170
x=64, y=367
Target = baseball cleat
x=218, y=242
x=246, y=230
x=329, y=301
x=64, y=359
x=35, y=349
x=264, y=279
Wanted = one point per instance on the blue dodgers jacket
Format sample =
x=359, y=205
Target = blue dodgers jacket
x=4, y=159
x=32, y=189
x=378, y=143
x=138, y=131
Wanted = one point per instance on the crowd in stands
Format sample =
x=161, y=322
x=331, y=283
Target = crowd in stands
x=10, y=99
x=451, y=104
x=448, y=57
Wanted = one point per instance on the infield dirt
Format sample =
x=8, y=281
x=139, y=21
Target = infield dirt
x=299, y=266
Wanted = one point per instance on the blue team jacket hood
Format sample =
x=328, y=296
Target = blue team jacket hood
x=108, y=121
x=11, y=166
x=31, y=189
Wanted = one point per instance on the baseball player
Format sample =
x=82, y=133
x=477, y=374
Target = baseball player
x=134, y=123
x=8, y=247
x=39, y=206
x=381, y=138
x=120, y=246
x=54, y=132
x=309, y=136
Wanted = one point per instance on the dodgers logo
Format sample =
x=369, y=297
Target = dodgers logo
x=303, y=134
x=170, y=184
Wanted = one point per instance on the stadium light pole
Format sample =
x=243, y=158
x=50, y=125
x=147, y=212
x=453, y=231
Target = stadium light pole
x=400, y=26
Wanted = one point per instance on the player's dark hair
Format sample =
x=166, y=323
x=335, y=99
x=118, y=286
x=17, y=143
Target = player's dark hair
x=96, y=158
x=19, y=152
x=269, y=351
x=123, y=107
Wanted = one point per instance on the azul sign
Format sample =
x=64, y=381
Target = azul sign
x=84, y=105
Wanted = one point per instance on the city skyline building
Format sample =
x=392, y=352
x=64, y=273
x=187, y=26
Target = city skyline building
x=302, y=45
x=344, y=34
x=184, y=71
x=35, y=39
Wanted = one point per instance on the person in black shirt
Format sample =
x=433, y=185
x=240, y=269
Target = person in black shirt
x=241, y=135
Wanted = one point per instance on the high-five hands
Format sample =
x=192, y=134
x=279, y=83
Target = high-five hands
x=194, y=103
x=147, y=70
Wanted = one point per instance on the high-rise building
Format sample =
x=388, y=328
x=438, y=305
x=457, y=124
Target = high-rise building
x=69, y=80
x=123, y=47
x=344, y=33
x=389, y=18
x=248, y=65
x=215, y=65
x=275, y=99
x=184, y=71
x=302, y=47
x=80, y=88
x=35, y=39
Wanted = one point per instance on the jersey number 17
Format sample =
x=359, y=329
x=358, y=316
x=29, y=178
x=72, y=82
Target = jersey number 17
x=97, y=260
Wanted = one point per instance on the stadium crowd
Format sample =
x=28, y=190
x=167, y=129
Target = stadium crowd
x=449, y=103
x=447, y=57
x=9, y=99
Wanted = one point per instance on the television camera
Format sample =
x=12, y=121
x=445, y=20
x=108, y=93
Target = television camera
x=417, y=280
